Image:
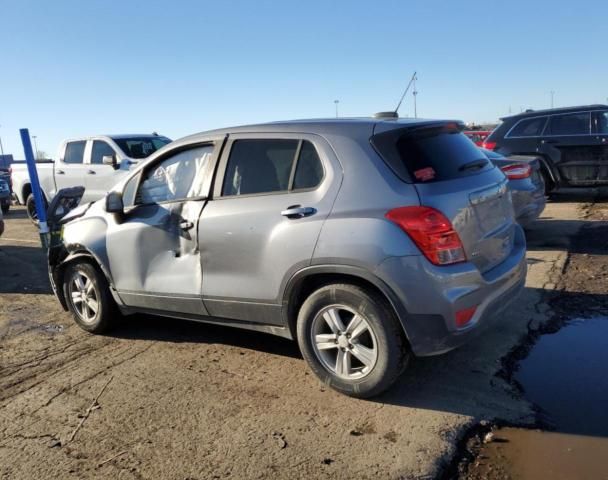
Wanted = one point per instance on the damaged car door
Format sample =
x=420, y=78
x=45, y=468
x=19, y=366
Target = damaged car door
x=153, y=249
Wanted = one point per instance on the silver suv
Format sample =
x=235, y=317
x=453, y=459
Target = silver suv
x=368, y=240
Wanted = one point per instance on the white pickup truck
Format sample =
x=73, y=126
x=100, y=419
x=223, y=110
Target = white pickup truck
x=96, y=163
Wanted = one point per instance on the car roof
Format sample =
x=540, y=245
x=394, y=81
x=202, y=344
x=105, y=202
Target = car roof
x=553, y=111
x=318, y=126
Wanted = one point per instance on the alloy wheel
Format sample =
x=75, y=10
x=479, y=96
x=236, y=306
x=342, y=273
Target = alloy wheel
x=344, y=342
x=84, y=297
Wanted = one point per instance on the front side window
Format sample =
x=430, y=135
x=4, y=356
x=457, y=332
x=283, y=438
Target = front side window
x=100, y=150
x=266, y=166
x=570, y=124
x=531, y=127
x=178, y=177
x=74, y=152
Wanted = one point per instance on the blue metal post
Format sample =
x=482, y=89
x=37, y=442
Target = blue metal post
x=36, y=191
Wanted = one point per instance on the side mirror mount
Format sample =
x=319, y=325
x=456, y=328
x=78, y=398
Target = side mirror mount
x=109, y=160
x=114, y=203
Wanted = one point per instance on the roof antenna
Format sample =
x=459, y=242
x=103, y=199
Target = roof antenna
x=395, y=113
x=412, y=80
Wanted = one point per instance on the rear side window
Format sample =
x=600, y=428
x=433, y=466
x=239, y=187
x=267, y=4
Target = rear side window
x=602, y=122
x=430, y=154
x=531, y=127
x=570, y=124
x=259, y=166
x=74, y=152
x=309, y=170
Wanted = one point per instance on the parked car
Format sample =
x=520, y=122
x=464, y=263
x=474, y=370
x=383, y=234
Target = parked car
x=368, y=240
x=571, y=142
x=477, y=136
x=97, y=163
x=525, y=183
x=5, y=196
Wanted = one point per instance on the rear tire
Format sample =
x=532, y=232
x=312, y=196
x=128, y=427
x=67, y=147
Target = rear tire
x=88, y=297
x=352, y=340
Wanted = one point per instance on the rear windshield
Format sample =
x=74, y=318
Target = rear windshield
x=430, y=154
x=141, y=147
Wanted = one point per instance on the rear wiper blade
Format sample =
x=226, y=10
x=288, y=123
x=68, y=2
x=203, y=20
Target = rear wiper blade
x=474, y=165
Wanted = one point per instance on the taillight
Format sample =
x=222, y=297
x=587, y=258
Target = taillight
x=463, y=317
x=488, y=144
x=431, y=231
x=517, y=171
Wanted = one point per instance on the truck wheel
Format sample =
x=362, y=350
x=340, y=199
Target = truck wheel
x=88, y=297
x=30, y=205
x=352, y=340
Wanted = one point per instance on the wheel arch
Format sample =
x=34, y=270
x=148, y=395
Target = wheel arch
x=82, y=254
x=309, y=279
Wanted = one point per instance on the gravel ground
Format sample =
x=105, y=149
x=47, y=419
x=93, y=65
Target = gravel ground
x=182, y=400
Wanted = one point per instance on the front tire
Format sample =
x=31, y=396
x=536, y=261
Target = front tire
x=351, y=340
x=88, y=297
x=30, y=205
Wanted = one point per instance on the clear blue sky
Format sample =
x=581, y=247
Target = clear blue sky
x=83, y=67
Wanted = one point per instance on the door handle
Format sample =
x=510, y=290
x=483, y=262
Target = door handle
x=59, y=172
x=297, y=211
x=551, y=141
x=186, y=225
x=91, y=172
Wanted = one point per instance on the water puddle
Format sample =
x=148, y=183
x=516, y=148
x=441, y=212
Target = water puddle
x=566, y=376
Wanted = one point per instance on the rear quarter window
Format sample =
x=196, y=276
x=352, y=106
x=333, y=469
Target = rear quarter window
x=530, y=127
x=430, y=154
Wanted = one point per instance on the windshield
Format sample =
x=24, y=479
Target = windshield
x=141, y=147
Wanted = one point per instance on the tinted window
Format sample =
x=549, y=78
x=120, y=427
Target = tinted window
x=178, y=177
x=141, y=147
x=571, y=124
x=532, y=127
x=259, y=166
x=100, y=149
x=309, y=170
x=602, y=122
x=74, y=152
x=430, y=154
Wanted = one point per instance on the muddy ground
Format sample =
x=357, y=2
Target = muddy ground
x=182, y=400
x=575, y=444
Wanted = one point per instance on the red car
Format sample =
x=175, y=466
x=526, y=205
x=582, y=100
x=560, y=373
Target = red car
x=477, y=136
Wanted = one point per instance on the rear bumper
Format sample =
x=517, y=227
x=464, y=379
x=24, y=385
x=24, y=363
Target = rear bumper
x=432, y=295
x=528, y=203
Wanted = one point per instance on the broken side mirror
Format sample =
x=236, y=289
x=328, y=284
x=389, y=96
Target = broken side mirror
x=114, y=203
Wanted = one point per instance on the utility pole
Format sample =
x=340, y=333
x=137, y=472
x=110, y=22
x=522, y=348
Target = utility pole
x=1, y=147
x=552, y=92
x=35, y=146
x=415, y=93
x=336, y=103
